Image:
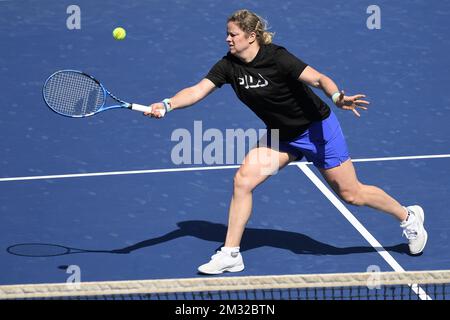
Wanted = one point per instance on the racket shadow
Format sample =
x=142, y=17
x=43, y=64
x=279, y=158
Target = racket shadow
x=46, y=250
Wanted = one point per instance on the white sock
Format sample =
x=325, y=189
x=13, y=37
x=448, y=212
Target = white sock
x=230, y=250
x=408, y=214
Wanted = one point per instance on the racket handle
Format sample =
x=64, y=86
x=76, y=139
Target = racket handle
x=141, y=108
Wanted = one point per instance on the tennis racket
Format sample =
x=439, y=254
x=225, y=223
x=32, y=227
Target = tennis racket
x=75, y=94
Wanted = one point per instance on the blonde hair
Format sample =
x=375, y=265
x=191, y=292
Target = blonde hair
x=250, y=22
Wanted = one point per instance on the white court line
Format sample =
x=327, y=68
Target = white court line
x=359, y=227
x=117, y=173
x=435, y=156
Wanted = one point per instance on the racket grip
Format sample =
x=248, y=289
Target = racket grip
x=141, y=108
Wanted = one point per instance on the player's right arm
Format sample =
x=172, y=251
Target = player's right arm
x=185, y=97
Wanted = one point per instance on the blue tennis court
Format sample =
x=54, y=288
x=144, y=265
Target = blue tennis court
x=108, y=186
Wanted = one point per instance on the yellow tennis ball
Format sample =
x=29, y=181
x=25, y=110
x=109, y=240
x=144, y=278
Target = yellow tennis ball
x=119, y=33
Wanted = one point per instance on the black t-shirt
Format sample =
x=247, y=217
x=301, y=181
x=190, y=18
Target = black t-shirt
x=269, y=86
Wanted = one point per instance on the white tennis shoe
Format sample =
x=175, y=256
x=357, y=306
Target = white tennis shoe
x=414, y=230
x=223, y=262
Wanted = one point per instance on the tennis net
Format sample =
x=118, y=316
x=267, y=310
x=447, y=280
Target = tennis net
x=429, y=285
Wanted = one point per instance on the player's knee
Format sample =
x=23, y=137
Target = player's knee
x=243, y=182
x=352, y=197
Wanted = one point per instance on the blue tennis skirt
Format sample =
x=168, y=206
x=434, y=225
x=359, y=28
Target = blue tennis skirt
x=323, y=144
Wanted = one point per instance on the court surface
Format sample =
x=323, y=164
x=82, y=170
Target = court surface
x=108, y=185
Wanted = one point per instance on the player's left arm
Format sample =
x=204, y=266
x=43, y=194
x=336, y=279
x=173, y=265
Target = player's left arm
x=314, y=78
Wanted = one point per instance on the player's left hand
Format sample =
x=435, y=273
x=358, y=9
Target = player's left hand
x=352, y=102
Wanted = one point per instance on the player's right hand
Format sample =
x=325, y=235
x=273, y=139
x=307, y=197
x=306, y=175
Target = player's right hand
x=158, y=110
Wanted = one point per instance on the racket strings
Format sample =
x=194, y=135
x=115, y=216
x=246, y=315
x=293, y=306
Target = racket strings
x=73, y=94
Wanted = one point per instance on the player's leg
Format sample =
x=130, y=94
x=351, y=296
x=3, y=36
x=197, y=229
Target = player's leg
x=259, y=164
x=324, y=145
x=345, y=183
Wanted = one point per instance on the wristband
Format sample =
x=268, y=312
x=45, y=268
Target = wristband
x=166, y=103
x=335, y=97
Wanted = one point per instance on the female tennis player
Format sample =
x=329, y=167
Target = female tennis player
x=275, y=85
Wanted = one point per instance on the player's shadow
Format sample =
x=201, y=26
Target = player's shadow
x=255, y=238
x=214, y=232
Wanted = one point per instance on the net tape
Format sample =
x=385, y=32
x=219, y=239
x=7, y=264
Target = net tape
x=184, y=285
